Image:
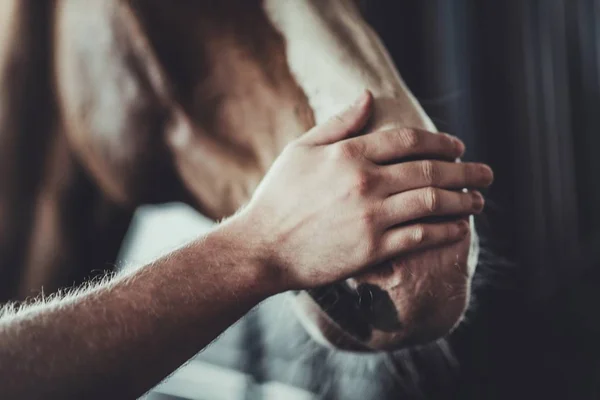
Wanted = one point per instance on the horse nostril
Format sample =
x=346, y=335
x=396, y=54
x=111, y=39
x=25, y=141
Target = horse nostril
x=365, y=298
x=377, y=307
x=340, y=304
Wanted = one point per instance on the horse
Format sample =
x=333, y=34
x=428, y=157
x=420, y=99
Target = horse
x=107, y=105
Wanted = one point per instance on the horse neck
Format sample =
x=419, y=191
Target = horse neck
x=256, y=76
x=334, y=54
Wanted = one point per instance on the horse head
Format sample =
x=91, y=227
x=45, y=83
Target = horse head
x=193, y=100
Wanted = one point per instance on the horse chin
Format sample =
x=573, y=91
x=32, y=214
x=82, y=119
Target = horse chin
x=328, y=332
x=408, y=302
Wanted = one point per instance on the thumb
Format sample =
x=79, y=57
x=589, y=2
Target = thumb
x=344, y=124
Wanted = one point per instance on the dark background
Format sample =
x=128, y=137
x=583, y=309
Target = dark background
x=518, y=81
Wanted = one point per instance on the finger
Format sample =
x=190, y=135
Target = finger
x=406, y=239
x=344, y=124
x=412, y=175
x=395, y=144
x=427, y=202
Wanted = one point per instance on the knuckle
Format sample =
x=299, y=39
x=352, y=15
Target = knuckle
x=419, y=234
x=450, y=231
x=429, y=171
x=340, y=119
x=468, y=200
x=409, y=138
x=369, y=248
x=337, y=151
x=363, y=182
x=431, y=199
x=368, y=219
x=471, y=173
x=290, y=147
x=349, y=150
x=367, y=229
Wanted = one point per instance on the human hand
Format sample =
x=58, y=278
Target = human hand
x=333, y=204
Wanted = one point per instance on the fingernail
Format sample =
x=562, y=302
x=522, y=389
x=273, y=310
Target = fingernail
x=477, y=200
x=458, y=144
x=487, y=173
x=460, y=147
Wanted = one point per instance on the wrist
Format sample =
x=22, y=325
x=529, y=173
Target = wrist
x=252, y=254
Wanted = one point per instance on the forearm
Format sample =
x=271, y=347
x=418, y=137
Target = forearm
x=309, y=223
x=118, y=340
